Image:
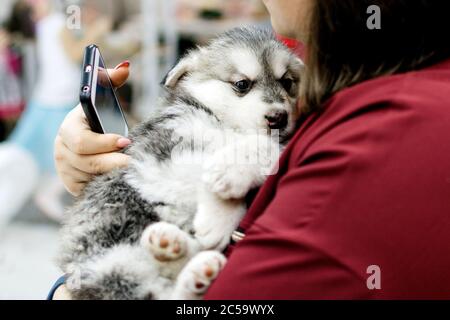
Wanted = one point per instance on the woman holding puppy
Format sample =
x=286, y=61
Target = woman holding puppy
x=359, y=208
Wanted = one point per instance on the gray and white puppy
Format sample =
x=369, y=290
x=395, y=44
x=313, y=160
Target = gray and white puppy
x=143, y=232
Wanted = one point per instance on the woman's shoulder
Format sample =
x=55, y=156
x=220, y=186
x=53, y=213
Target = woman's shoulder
x=409, y=89
x=389, y=107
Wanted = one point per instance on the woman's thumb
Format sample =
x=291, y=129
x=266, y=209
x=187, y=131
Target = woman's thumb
x=119, y=74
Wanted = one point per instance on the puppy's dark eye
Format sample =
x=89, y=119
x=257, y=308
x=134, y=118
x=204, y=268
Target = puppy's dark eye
x=287, y=84
x=243, y=86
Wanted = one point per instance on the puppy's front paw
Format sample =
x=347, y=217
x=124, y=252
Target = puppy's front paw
x=199, y=274
x=216, y=220
x=212, y=233
x=165, y=241
x=227, y=181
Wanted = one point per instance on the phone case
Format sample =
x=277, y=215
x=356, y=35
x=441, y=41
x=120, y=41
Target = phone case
x=85, y=95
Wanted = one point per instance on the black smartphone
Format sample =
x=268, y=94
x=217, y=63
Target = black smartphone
x=98, y=96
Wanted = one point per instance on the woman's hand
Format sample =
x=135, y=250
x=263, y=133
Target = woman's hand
x=62, y=294
x=4, y=40
x=80, y=153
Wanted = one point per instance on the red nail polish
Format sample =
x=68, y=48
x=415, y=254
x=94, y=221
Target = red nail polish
x=124, y=64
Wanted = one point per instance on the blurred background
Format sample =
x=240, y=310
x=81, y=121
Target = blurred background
x=41, y=48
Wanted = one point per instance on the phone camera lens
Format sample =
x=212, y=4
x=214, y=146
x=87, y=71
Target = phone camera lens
x=86, y=89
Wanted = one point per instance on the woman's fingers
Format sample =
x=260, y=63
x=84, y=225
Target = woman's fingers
x=76, y=134
x=100, y=163
x=86, y=142
x=81, y=153
x=73, y=179
x=90, y=163
x=62, y=294
x=76, y=175
x=77, y=170
x=119, y=74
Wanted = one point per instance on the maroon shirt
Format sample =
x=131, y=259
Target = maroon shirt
x=367, y=182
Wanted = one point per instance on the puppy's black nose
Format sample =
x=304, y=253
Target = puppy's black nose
x=277, y=120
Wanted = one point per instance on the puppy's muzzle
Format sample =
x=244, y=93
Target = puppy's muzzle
x=277, y=120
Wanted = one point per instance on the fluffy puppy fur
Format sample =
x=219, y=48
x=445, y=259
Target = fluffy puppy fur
x=144, y=232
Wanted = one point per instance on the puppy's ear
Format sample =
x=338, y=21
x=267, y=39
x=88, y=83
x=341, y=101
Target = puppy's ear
x=298, y=66
x=186, y=65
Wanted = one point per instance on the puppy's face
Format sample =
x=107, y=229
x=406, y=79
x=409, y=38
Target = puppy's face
x=247, y=78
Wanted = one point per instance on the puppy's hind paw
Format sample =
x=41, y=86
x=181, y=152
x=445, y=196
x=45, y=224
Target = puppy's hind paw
x=165, y=241
x=199, y=274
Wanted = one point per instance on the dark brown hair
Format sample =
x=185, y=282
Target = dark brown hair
x=343, y=51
